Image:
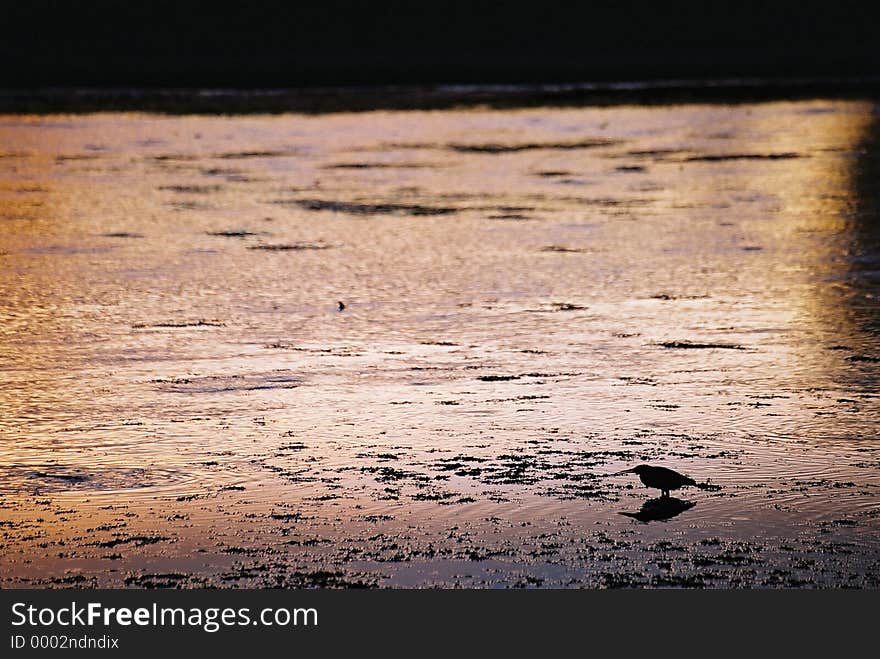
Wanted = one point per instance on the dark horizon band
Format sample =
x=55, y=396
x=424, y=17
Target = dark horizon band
x=271, y=43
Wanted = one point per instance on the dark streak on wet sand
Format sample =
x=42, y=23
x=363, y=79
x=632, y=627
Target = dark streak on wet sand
x=234, y=233
x=532, y=146
x=292, y=247
x=722, y=157
x=692, y=345
x=197, y=323
x=354, y=208
x=382, y=165
x=191, y=189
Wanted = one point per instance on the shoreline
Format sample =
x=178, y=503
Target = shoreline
x=327, y=100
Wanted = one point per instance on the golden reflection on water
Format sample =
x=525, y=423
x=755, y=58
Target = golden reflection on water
x=523, y=291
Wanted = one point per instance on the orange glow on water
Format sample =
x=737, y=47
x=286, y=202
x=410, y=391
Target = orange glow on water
x=523, y=294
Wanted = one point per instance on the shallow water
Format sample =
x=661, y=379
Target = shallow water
x=533, y=300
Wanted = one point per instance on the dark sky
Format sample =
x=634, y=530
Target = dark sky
x=292, y=43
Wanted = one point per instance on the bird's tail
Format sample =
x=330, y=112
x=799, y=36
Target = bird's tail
x=690, y=481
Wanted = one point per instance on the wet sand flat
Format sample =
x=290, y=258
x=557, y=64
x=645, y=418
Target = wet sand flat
x=413, y=349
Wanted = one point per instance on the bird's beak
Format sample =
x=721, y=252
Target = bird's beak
x=625, y=471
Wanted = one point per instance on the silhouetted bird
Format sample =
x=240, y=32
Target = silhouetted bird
x=341, y=305
x=660, y=477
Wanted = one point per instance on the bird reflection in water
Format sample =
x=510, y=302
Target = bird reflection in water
x=661, y=508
